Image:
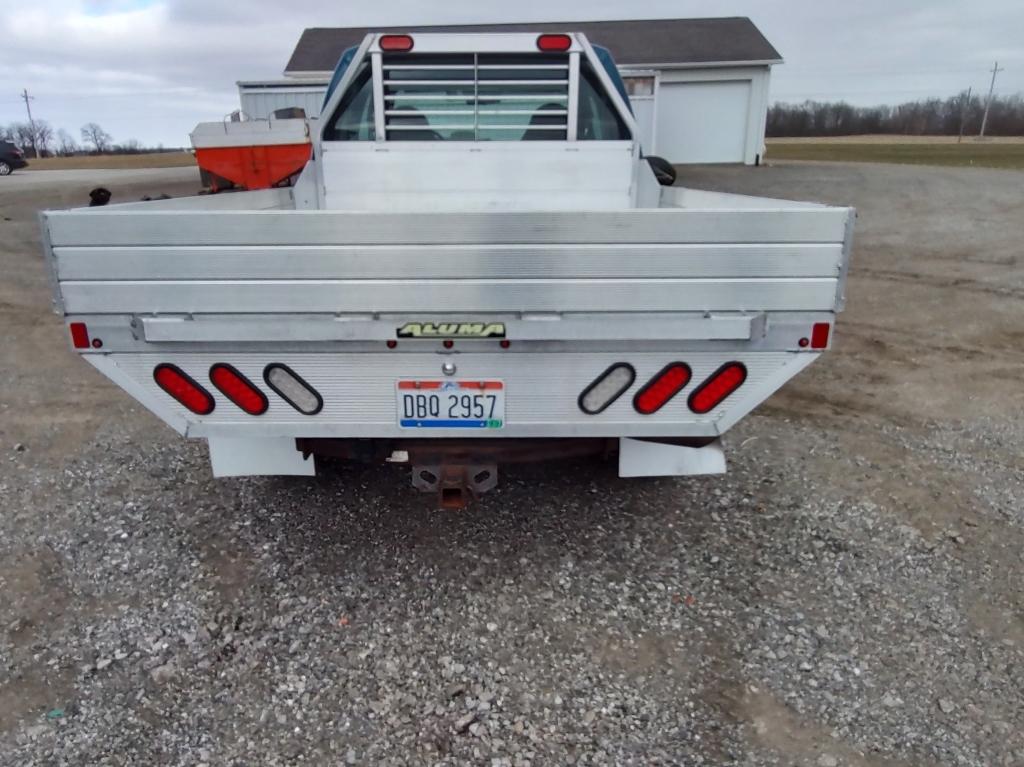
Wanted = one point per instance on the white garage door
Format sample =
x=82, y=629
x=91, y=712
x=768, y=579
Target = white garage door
x=703, y=121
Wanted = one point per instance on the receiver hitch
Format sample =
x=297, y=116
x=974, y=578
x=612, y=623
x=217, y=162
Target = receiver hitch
x=455, y=483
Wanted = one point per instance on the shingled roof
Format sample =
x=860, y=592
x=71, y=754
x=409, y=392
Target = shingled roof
x=671, y=42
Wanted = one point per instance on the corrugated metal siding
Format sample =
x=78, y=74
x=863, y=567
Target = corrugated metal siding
x=260, y=104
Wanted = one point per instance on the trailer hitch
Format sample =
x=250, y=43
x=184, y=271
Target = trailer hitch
x=455, y=484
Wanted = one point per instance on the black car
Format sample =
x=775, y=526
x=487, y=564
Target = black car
x=11, y=158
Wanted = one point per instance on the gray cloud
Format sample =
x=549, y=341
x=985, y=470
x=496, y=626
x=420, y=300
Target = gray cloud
x=151, y=69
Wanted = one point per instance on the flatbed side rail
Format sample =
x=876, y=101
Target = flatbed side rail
x=268, y=261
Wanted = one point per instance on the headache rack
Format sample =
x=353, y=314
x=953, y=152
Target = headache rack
x=479, y=96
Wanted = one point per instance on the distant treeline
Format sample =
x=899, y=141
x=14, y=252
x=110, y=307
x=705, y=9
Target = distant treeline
x=931, y=117
x=40, y=140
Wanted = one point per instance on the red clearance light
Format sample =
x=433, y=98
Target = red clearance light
x=179, y=385
x=819, y=335
x=239, y=389
x=79, y=335
x=554, y=43
x=662, y=388
x=396, y=43
x=717, y=387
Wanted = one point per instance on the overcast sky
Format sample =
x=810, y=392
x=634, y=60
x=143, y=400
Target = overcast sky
x=151, y=69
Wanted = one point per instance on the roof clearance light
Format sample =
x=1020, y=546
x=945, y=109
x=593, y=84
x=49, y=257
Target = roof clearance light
x=554, y=43
x=293, y=389
x=179, y=385
x=819, y=335
x=607, y=388
x=396, y=43
x=79, y=335
x=663, y=387
x=717, y=387
x=239, y=389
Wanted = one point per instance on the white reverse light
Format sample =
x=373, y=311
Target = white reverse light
x=293, y=389
x=608, y=387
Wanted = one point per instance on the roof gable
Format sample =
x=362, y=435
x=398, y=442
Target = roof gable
x=650, y=41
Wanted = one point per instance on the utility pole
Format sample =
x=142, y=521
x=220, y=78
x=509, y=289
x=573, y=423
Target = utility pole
x=963, y=113
x=31, y=122
x=991, y=89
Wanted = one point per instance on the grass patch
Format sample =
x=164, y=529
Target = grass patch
x=114, y=161
x=995, y=155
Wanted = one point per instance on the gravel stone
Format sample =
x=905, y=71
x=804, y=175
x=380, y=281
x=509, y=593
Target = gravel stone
x=163, y=674
x=282, y=622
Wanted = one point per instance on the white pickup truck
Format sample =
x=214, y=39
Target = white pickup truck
x=477, y=266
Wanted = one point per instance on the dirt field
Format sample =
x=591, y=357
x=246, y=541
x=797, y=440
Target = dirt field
x=1002, y=152
x=850, y=594
x=893, y=139
x=112, y=161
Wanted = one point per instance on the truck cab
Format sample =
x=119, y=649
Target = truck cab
x=477, y=122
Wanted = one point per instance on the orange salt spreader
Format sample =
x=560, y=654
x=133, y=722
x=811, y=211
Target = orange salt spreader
x=251, y=154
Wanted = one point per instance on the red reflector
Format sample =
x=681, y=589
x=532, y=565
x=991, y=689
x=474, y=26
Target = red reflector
x=79, y=335
x=179, y=385
x=554, y=42
x=720, y=385
x=663, y=387
x=239, y=389
x=819, y=335
x=396, y=43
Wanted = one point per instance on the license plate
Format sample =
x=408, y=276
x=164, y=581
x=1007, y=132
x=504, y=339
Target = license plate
x=450, y=404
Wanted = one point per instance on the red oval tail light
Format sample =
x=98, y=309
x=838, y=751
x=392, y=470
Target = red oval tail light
x=663, y=387
x=239, y=389
x=717, y=387
x=183, y=388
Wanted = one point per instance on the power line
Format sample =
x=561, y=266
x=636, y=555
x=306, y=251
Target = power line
x=988, y=102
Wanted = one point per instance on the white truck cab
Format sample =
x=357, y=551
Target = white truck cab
x=477, y=122
x=476, y=266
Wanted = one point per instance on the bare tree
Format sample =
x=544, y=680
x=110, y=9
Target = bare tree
x=66, y=145
x=95, y=135
x=923, y=118
x=42, y=137
x=131, y=146
x=24, y=136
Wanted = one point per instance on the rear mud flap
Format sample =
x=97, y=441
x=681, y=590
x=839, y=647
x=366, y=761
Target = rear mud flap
x=270, y=456
x=642, y=458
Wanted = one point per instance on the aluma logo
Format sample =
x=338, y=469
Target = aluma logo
x=452, y=330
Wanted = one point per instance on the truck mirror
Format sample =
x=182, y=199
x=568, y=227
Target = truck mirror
x=663, y=170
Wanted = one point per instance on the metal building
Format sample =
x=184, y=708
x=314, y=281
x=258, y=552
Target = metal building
x=699, y=87
x=260, y=99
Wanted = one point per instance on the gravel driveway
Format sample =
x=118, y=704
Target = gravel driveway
x=850, y=594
